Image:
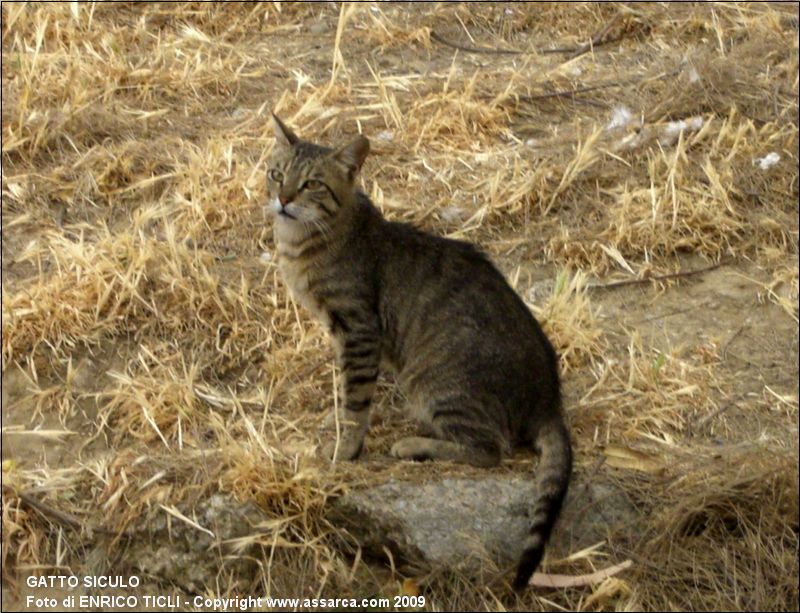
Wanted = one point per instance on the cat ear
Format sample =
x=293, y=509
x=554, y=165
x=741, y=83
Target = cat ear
x=283, y=135
x=353, y=154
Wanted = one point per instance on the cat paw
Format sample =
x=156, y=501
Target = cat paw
x=412, y=448
x=328, y=423
x=349, y=448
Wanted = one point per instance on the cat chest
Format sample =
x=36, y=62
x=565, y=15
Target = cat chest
x=296, y=277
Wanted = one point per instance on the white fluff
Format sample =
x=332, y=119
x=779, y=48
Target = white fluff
x=621, y=117
x=452, y=214
x=768, y=161
x=673, y=128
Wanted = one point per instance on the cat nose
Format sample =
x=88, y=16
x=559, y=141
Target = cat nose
x=284, y=200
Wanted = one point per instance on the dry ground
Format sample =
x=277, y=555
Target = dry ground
x=151, y=356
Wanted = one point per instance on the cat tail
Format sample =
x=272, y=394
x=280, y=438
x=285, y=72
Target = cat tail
x=552, y=476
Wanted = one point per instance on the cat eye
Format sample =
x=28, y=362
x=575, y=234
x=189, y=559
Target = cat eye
x=276, y=175
x=313, y=185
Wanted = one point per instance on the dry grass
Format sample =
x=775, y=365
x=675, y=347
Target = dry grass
x=736, y=510
x=568, y=318
x=142, y=304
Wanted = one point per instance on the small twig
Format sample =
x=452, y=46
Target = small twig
x=674, y=275
x=591, y=88
x=590, y=102
x=598, y=39
x=707, y=418
x=572, y=92
x=730, y=340
x=439, y=39
x=560, y=581
x=37, y=505
x=66, y=519
x=745, y=360
x=187, y=520
x=664, y=315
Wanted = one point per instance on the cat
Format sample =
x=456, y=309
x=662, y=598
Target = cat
x=473, y=362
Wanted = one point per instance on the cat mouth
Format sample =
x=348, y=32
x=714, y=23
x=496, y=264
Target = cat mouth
x=285, y=213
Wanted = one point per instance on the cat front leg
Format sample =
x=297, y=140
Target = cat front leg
x=358, y=353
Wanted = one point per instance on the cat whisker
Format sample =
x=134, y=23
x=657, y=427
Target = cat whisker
x=323, y=227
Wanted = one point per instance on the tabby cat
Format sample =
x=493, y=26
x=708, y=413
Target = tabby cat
x=476, y=368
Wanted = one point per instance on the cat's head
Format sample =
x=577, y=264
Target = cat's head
x=310, y=185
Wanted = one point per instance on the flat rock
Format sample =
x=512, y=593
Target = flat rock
x=463, y=523
x=181, y=555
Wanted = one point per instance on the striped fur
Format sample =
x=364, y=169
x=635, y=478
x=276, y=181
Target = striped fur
x=475, y=365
